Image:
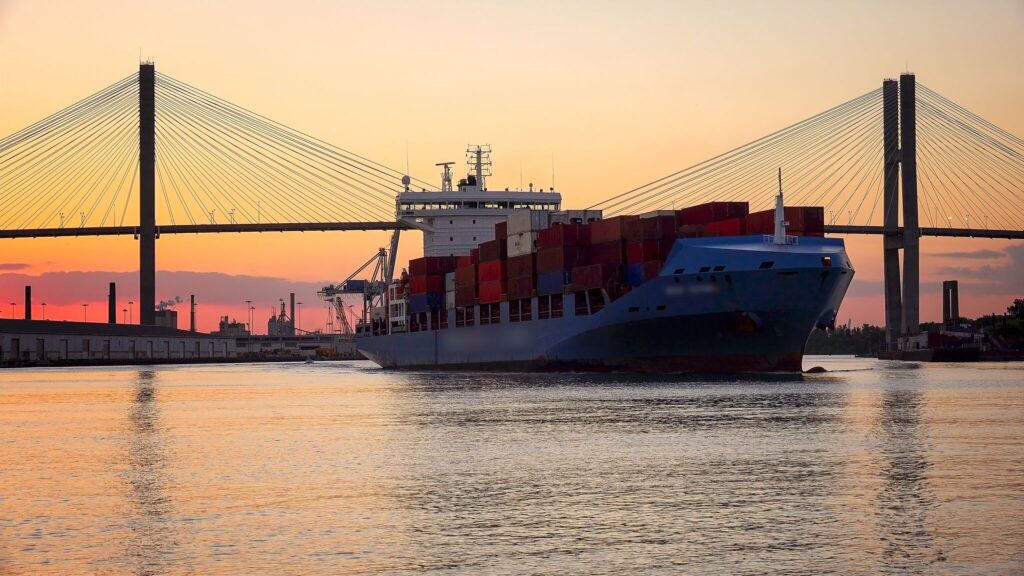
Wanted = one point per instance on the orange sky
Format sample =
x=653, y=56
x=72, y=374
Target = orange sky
x=620, y=93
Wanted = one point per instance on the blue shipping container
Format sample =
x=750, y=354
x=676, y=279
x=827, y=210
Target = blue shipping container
x=635, y=274
x=426, y=302
x=552, y=282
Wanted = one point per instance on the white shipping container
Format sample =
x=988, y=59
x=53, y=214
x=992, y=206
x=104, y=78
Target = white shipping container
x=449, y=282
x=449, y=300
x=520, y=221
x=522, y=243
x=377, y=313
x=575, y=216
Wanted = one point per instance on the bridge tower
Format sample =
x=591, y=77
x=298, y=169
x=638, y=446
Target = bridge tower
x=899, y=142
x=147, y=193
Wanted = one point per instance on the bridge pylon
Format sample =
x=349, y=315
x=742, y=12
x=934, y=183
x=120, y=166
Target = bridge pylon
x=899, y=144
x=147, y=193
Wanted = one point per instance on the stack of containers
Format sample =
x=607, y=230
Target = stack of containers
x=606, y=255
x=560, y=249
x=427, y=284
x=491, y=272
x=649, y=239
x=522, y=228
x=449, y=289
x=801, y=221
x=465, y=282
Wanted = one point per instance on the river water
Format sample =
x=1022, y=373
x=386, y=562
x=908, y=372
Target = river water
x=341, y=468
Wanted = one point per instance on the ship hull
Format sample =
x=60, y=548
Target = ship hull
x=742, y=319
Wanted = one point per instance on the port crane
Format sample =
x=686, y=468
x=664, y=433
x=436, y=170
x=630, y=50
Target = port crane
x=371, y=291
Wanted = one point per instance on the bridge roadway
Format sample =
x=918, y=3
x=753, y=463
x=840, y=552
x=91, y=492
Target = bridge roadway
x=393, y=225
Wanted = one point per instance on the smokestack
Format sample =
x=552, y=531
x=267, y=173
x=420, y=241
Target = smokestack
x=112, y=304
x=28, y=302
x=291, y=312
x=192, y=312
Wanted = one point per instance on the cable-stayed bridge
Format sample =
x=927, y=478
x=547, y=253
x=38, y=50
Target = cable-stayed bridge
x=151, y=155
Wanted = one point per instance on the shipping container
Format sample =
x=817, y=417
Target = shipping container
x=609, y=229
x=493, y=271
x=520, y=221
x=690, y=231
x=575, y=216
x=553, y=282
x=802, y=221
x=465, y=296
x=651, y=228
x=563, y=235
x=449, y=282
x=635, y=274
x=730, y=227
x=711, y=212
x=521, y=243
x=425, y=302
x=493, y=250
x=561, y=258
x=638, y=252
x=474, y=256
x=519, y=288
x=431, y=265
x=501, y=231
x=490, y=292
x=449, y=300
x=426, y=284
x=465, y=276
x=521, y=266
x=652, y=269
x=607, y=252
x=596, y=276
x=463, y=261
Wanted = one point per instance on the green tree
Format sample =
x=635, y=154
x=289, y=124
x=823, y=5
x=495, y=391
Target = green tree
x=1016, y=309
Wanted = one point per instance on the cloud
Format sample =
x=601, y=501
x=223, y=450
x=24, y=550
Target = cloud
x=210, y=288
x=1005, y=278
x=973, y=255
x=13, y=266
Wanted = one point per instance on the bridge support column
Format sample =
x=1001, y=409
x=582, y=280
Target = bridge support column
x=911, y=229
x=892, y=239
x=147, y=193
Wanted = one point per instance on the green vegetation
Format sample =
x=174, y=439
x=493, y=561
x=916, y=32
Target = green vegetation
x=863, y=341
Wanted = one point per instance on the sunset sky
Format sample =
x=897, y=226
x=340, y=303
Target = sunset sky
x=619, y=93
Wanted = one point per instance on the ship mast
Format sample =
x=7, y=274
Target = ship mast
x=780, y=215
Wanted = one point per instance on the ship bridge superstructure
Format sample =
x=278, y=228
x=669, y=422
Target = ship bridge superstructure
x=456, y=219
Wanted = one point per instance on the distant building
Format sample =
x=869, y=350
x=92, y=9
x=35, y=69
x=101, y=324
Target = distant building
x=231, y=329
x=280, y=325
x=165, y=318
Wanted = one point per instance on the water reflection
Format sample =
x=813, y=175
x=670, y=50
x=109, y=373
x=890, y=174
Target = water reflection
x=150, y=547
x=905, y=500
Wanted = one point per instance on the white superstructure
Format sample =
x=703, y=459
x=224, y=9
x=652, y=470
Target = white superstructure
x=456, y=220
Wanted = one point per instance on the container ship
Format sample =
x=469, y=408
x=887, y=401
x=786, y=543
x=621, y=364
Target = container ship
x=511, y=281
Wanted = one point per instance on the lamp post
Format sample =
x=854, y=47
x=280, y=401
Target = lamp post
x=124, y=315
x=248, y=325
x=85, y=312
x=44, y=310
x=130, y=302
x=14, y=310
x=298, y=314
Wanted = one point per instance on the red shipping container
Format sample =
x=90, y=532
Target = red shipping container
x=490, y=292
x=474, y=256
x=431, y=265
x=654, y=228
x=609, y=230
x=563, y=235
x=465, y=296
x=561, y=258
x=519, y=288
x=463, y=262
x=521, y=266
x=637, y=252
x=595, y=276
x=652, y=269
x=493, y=271
x=608, y=253
x=711, y=212
x=730, y=227
x=465, y=276
x=803, y=221
x=690, y=231
x=493, y=250
x=425, y=284
x=501, y=231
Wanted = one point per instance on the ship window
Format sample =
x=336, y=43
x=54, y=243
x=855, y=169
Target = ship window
x=474, y=221
x=451, y=222
x=719, y=268
x=451, y=239
x=634, y=309
x=705, y=269
x=767, y=264
x=679, y=270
